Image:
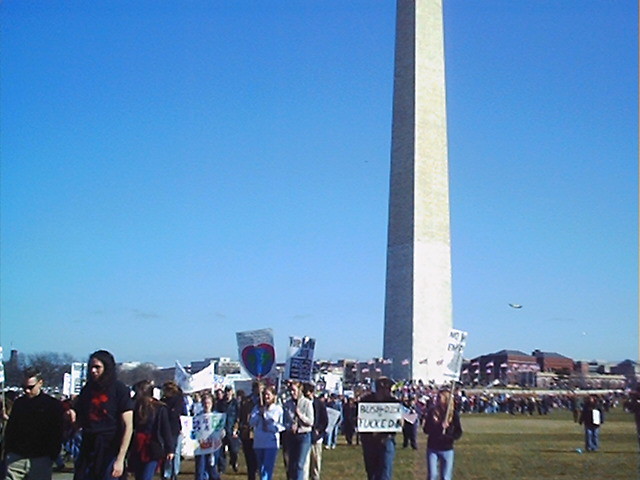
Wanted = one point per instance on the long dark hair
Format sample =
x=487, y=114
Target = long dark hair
x=109, y=374
x=145, y=403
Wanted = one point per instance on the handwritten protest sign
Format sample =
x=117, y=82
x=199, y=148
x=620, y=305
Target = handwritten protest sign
x=299, y=365
x=203, y=433
x=188, y=444
x=447, y=368
x=379, y=417
x=257, y=352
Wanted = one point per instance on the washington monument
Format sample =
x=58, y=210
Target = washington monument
x=418, y=305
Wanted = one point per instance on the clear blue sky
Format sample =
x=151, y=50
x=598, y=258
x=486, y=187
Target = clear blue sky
x=173, y=172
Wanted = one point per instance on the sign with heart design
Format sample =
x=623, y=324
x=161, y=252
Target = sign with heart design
x=258, y=359
x=256, y=352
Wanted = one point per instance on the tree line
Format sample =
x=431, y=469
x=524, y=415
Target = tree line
x=54, y=365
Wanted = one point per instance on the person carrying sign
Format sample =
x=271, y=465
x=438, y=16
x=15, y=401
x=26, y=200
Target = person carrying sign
x=591, y=417
x=442, y=424
x=267, y=423
x=206, y=468
x=379, y=448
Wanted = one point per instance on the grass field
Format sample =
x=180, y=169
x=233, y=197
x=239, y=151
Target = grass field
x=502, y=447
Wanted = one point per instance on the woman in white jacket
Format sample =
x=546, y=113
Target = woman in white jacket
x=267, y=422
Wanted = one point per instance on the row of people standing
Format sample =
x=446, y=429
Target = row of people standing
x=113, y=424
x=296, y=425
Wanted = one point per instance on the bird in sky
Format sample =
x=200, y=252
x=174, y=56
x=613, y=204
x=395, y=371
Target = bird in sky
x=515, y=305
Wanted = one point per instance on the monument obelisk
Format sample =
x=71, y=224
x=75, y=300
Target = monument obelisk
x=418, y=305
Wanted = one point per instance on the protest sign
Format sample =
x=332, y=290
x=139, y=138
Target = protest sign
x=256, y=352
x=410, y=417
x=244, y=385
x=379, y=417
x=299, y=365
x=332, y=382
x=188, y=444
x=448, y=366
x=78, y=377
x=204, y=432
x=333, y=416
x=182, y=378
x=219, y=382
x=66, y=384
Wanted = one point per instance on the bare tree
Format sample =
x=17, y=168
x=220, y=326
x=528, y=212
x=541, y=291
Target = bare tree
x=144, y=371
x=53, y=366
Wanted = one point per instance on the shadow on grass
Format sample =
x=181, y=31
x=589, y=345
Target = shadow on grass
x=601, y=452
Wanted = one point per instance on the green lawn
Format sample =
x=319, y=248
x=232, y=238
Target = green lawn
x=503, y=447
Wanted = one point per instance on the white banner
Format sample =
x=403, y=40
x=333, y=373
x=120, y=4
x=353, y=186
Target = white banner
x=204, y=379
x=379, y=417
x=299, y=364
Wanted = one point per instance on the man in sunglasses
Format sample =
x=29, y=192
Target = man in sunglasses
x=34, y=431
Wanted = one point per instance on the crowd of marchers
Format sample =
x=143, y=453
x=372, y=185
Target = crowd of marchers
x=110, y=429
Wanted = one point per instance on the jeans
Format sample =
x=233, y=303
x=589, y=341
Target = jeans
x=379, y=451
x=249, y=457
x=145, y=471
x=331, y=437
x=440, y=464
x=206, y=468
x=72, y=446
x=299, y=446
x=266, y=458
x=592, y=438
x=172, y=468
x=86, y=473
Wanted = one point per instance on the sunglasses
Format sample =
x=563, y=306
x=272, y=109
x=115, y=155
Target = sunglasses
x=29, y=387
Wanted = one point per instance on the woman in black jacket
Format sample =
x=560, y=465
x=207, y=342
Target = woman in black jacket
x=152, y=437
x=442, y=424
x=173, y=398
